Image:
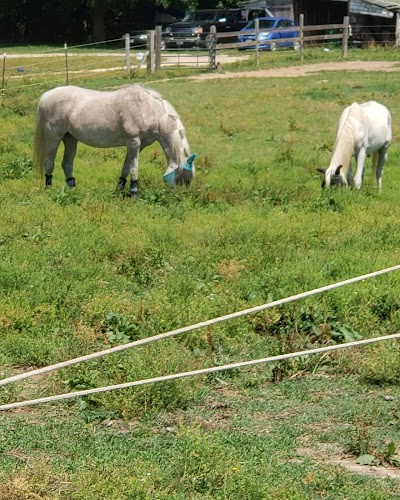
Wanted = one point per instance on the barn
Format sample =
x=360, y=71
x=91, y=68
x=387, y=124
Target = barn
x=370, y=20
x=278, y=8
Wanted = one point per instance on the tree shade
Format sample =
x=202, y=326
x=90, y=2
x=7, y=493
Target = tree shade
x=75, y=21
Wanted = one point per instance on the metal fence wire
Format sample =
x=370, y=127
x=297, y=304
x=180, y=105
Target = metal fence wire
x=148, y=52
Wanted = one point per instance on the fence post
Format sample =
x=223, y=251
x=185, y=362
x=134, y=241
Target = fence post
x=150, y=52
x=212, y=48
x=397, y=32
x=345, y=42
x=301, y=35
x=127, y=38
x=3, y=75
x=66, y=63
x=157, y=46
x=257, y=30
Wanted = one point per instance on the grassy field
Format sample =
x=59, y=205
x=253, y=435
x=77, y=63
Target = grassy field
x=85, y=269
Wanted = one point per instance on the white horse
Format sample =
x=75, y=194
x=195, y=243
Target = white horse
x=133, y=116
x=363, y=129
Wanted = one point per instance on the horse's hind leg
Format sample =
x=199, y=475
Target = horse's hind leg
x=50, y=156
x=70, y=145
x=379, y=160
x=131, y=166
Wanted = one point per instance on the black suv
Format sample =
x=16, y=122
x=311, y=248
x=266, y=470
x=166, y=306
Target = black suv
x=194, y=28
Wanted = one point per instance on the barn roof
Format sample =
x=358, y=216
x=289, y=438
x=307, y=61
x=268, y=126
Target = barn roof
x=372, y=6
x=262, y=4
x=384, y=8
x=386, y=4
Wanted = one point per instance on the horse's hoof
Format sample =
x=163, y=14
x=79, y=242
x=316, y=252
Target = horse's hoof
x=71, y=182
x=134, y=189
x=121, y=184
x=49, y=179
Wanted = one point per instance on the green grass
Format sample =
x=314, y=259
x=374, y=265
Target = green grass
x=85, y=269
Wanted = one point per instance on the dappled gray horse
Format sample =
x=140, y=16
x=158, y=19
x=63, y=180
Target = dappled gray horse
x=133, y=116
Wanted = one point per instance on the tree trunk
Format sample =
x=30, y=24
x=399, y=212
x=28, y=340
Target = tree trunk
x=99, y=32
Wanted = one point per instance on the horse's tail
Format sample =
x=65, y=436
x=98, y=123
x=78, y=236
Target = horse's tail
x=39, y=145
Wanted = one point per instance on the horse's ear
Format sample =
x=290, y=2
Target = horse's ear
x=337, y=171
x=321, y=170
x=189, y=162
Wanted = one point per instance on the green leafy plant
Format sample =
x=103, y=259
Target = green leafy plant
x=119, y=329
x=68, y=196
x=388, y=456
x=16, y=168
x=91, y=411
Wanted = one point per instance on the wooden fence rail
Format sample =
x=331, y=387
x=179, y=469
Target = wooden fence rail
x=338, y=33
x=215, y=41
x=299, y=42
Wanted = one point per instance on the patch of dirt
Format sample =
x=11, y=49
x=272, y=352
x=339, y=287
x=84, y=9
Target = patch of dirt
x=331, y=456
x=304, y=70
x=230, y=269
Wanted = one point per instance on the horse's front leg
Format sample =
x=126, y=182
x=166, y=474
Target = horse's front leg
x=350, y=176
x=131, y=166
x=360, y=159
x=70, y=145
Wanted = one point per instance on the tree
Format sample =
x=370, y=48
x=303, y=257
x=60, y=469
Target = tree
x=57, y=21
x=103, y=12
x=98, y=8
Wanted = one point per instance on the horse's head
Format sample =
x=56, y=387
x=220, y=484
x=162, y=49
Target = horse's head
x=182, y=174
x=334, y=179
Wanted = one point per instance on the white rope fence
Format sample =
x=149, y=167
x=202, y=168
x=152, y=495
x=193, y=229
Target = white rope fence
x=193, y=373
x=186, y=329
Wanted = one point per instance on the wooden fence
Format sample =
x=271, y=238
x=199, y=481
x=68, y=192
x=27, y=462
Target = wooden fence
x=132, y=54
x=307, y=36
x=216, y=42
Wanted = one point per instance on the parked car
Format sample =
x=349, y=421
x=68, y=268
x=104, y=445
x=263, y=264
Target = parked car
x=270, y=40
x=194, y=28
x=139, y=40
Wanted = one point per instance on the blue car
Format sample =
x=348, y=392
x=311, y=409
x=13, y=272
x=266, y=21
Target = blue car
x=270, y=40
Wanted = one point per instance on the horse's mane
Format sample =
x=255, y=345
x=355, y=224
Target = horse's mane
x=343, y=149
x=169, y=109
x=171, y=124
